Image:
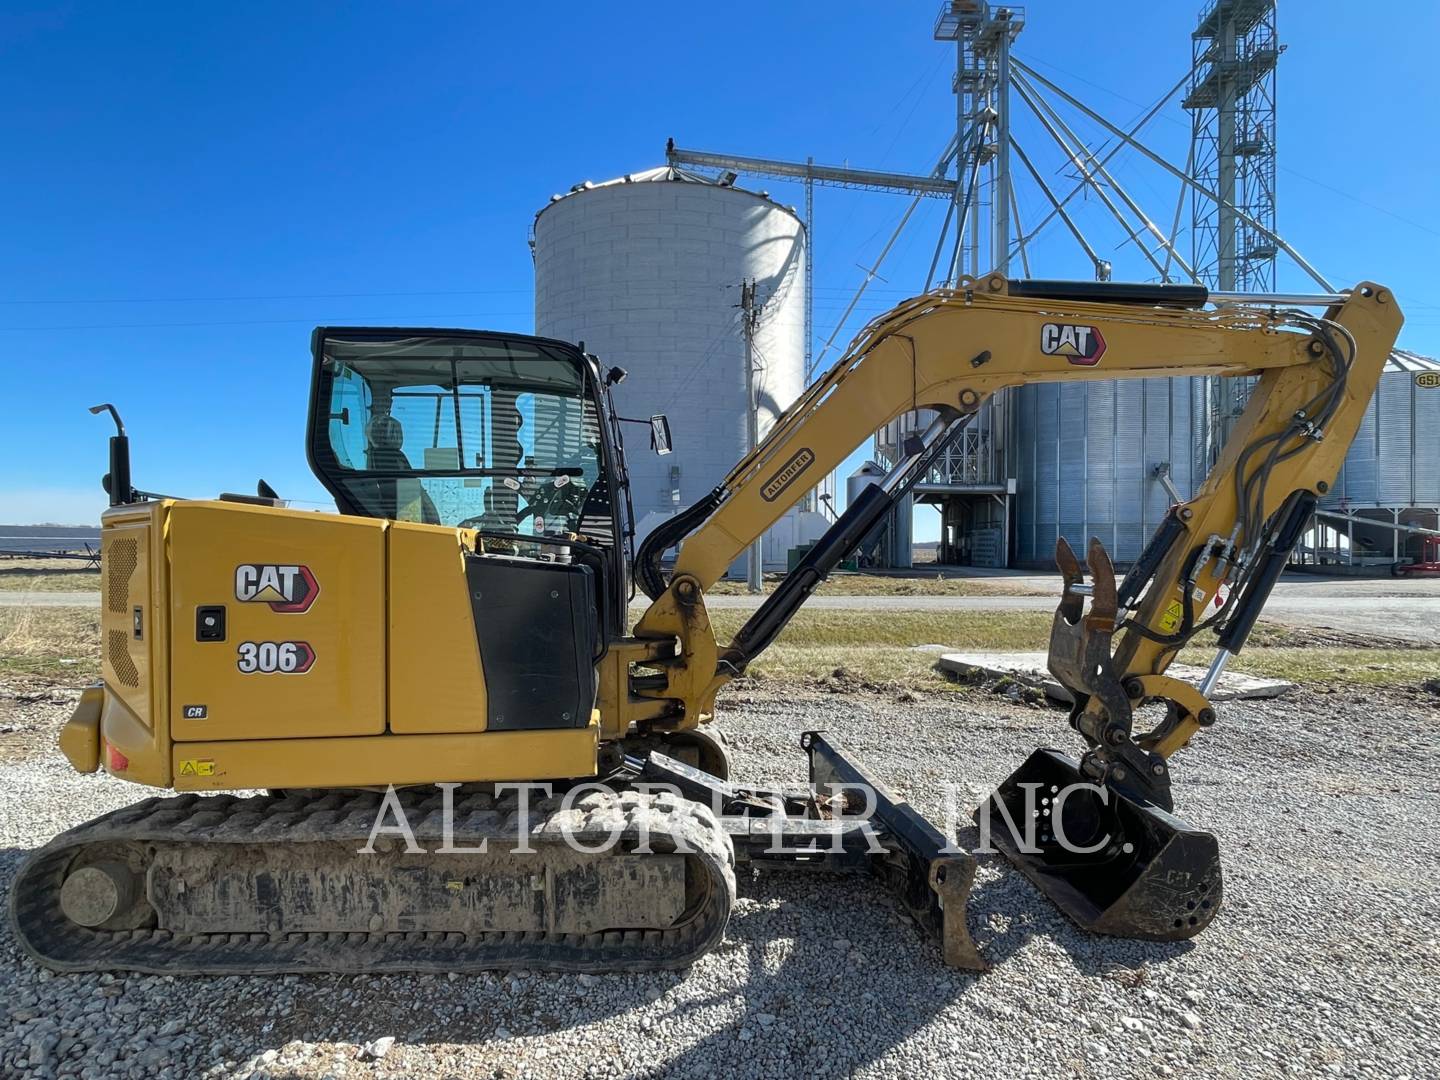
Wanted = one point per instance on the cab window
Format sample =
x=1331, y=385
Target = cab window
x=488, y=433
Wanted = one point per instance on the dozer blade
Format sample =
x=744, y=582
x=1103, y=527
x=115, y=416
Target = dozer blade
x=1113, y=864
x=926, y=872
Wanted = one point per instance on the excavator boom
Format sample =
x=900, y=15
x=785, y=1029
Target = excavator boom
x=951, y=350
x=1142, y=872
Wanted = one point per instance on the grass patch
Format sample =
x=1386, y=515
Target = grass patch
x=858, y=667
x=1326, y=657
x=878, y=647
x=48, y=575
x=1000, y=630
x=1339, y=666
x=53, y=643
x=875, y=647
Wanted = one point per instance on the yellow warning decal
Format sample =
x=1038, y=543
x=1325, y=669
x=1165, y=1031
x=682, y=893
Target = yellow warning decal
x=197, y=767
x=1170, y=620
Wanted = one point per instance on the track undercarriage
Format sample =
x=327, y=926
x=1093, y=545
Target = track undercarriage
x=632, y=873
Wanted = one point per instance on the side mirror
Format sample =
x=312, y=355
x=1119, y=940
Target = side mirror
x=117, y=481
x=660, y=434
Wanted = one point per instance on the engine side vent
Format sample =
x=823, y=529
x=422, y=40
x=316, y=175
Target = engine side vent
x=120, y=560
x=117, y=651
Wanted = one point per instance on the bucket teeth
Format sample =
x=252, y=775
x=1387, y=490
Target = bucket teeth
x=1067, y=562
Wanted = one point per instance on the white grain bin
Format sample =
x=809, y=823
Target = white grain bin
x=646, y=270
x=1391, y=474
x=1086, y=461
x=884, y=543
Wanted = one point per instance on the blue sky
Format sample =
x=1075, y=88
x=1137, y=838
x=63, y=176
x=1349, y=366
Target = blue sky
x=188, y=189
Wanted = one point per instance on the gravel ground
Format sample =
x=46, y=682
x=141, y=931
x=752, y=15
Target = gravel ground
x=1324, y=960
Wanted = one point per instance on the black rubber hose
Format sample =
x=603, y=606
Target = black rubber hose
x=647, y=560
x=1156, y=548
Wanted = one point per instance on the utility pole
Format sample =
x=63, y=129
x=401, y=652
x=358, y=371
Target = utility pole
x=749, y=318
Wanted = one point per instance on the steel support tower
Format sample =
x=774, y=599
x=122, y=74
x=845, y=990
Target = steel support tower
x=1231, y=101
x=983, y=34
x=967, y=485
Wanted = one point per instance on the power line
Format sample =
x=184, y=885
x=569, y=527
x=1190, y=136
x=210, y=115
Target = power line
x=715, y=343
x=277, y=296
x=14, y=302
x=353, y=320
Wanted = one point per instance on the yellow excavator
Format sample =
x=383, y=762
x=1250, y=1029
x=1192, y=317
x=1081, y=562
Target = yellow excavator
x=389, y=681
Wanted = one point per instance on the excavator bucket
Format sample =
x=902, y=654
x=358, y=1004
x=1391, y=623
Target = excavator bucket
x=1097, y=836
x=1113, y=864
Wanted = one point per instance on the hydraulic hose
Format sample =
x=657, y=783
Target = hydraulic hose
x=648, y=571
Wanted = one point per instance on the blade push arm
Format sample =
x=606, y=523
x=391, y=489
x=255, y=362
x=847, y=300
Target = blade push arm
x=951, y=350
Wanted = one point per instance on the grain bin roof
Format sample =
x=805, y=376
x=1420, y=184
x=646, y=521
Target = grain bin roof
x=1404, y=360
x=665, y=174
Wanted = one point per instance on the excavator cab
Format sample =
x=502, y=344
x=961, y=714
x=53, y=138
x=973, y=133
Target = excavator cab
x=512, y=436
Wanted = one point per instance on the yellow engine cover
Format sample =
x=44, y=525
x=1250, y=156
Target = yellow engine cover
x=436, y=681
x=251, y=646
x=304, y=609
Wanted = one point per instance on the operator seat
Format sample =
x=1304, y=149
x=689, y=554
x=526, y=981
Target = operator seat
x=409, y=501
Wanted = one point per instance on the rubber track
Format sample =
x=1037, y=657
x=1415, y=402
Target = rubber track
x=297, y=818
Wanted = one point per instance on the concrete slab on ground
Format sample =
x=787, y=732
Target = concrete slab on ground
x=1029, y=667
